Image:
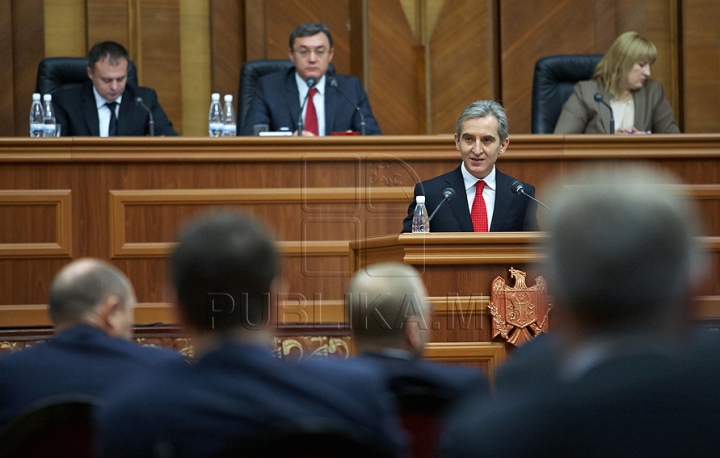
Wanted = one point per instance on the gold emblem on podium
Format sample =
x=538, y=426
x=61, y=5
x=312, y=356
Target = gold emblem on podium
x=519, y=313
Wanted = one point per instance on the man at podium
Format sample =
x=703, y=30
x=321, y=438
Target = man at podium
x=486, y=200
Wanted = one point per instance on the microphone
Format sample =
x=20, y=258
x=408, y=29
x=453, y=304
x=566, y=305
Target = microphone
x=151, y=123
x=517, y=188
x=334, y=83
x=599, y=99
x=448, y=195
x=311, y=82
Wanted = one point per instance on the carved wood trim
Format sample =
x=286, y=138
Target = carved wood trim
x=463, y=352
x=61, y=200
x=119, y=200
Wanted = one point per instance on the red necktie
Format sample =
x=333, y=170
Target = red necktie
x=478, y=215
x=311, y=120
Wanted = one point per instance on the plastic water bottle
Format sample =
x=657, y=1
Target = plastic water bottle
x=420, y=222
x=229, y=126
x=37, y=117
x=48, y=116
x=215, y=118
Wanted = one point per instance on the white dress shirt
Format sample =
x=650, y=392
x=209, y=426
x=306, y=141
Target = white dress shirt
x=488, y=191
x=104, y=112
x=318, y=100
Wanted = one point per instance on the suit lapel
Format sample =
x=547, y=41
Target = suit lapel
x=459, y=204
x=640, y=101
x=605, y=111
x=125, y=116
x=503, y=200
x=330, y=107
x=90, y=111
x=292, y=96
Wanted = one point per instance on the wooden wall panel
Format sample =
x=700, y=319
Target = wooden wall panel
x=397, y=70
x=28, y=48
x=196, y=69
x=110, y=20
x=160, y=50
x=65, y=28
x=578, y=26
x=227, y=32
x=7, y=94
x=701, y=58
x=463, y=60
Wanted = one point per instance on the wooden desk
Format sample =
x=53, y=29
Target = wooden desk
x=123, y=199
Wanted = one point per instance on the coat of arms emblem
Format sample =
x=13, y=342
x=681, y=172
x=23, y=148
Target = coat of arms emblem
x=519, y=313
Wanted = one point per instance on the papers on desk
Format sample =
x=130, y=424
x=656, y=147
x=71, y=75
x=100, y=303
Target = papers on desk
x=280, y=133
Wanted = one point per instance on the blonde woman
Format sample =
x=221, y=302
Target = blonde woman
x=622, y=77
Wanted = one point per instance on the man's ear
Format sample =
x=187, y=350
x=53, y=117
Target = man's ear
x=111, y=318
x=413, y=339
x=504, y=145
x=330, y=54
x=291, y=55
x=90, y=72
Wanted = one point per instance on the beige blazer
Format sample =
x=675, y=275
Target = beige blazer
x=581, y=114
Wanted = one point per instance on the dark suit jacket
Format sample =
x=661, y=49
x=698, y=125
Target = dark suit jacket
x=240, y=392
x=76, y=112
x=644, y=405
x=79, y=360
x=448, y=381
x=513, y=212
x=277, y=104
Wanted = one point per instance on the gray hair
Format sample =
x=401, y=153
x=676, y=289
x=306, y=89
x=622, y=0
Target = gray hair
x=483, y=108
x=622, y=251
x=381, y=298
x=83, y=285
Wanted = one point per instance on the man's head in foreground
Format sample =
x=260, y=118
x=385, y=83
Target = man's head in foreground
x=90, y=291
x=388, y=309
x=622, y=253
x=223, y=274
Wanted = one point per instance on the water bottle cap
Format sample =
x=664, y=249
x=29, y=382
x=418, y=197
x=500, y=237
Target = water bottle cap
x=420, y=199
x=36, y=96
x=216, y=96
x=47, y=97
x=228, y=98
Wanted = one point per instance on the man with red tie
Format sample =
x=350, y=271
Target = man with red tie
x=322, y=101
x=484, y=198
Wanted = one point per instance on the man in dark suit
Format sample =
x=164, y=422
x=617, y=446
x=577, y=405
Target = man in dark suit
x=224, y=276
x=481, y=136
x=105, y=105
x=390, y=326
x=390, y=319
x=623, y=264
x=91, y=306
x=332, y=107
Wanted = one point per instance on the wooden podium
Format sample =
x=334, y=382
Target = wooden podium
x=457, y=269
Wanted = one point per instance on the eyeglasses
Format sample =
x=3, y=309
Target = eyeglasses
x=305, y=52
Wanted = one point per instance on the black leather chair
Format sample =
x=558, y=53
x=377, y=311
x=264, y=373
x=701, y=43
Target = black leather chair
x=55, y=73
x=553, y=83
x=250, y=72
x=58, y=427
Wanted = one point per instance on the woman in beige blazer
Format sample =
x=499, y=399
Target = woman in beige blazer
x=622, y=77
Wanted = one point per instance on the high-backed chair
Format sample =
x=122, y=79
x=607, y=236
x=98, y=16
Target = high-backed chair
x=59, y=427
x=421, y=407
x=55, y=73
x=553, y=83
x=250, y=72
